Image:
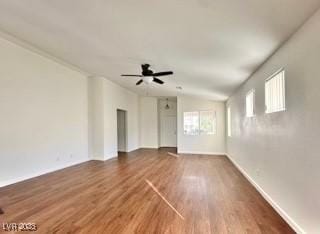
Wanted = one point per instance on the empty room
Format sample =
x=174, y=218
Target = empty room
x=182, y=117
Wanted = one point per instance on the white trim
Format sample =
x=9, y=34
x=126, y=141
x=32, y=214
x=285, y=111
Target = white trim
x=198, y=133
x=110, y=155
x=264, y=194
x=102, y=159
x=133, y=149
x=39, y=173
x=151, y=147
x=201, y=152
x=32, y=48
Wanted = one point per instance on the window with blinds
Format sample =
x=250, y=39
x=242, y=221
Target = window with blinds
x=250, y=103
x=275, y=93
x=229, y=121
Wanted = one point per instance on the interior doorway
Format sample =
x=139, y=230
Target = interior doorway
x=168, y=122
x=169, y=131
x=122, y=130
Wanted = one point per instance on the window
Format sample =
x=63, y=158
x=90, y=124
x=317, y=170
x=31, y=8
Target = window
x=191, y=123
x=250, y=103
x=199, y=122
x=229, y=121
x=275, y=93
x=207, y=122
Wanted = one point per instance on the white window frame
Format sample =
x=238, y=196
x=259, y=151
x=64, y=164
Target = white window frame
x=253, y=93
x=282, y=70
x=198, y=131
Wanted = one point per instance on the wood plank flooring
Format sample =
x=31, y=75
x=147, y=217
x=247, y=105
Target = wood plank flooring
x=146, y=191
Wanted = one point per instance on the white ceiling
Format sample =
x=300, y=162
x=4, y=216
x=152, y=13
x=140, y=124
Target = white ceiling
x=212, y=45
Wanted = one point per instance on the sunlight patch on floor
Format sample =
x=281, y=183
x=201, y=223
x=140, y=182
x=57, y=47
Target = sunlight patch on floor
x=174, y=155
x=164, y=199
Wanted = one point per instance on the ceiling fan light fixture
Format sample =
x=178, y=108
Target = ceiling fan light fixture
x=148, y=79
x=148, y=76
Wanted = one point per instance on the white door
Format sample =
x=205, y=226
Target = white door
x=169, y=131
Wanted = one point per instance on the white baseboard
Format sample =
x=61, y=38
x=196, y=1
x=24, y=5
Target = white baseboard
x=200, y=152
x=132, y=149
x=103, y=159
x=275, y=206
x=110, y=155
x=39, y=173
x=148, y=147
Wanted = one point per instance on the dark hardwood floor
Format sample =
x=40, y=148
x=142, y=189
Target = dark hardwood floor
x=146, y=191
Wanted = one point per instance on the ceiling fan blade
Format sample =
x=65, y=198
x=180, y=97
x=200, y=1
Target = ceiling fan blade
x=139, y=82
x=156, y=80
x=167, y=73
x=133, y=75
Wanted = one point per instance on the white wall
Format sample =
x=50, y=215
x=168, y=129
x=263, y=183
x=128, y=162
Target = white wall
x=53, y=116
x=109, y=97
x=96, y=117
x=116, y=97
x=149, y=122
x=44, y=115
x=280, y=151
x=201, y=144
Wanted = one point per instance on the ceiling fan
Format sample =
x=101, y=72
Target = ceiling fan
x=149, y=76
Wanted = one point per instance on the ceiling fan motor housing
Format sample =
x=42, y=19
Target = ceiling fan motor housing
x=145, y=70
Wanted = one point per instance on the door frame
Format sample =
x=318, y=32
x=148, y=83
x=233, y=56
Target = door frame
x=125, y=130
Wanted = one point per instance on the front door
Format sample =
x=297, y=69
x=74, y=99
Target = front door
x=169, y=131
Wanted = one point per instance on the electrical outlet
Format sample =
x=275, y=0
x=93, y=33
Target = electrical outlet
x=71, y=155
x=58, y=159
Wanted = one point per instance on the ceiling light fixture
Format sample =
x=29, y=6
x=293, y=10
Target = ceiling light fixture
x=167, y=106
x=147, y=79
